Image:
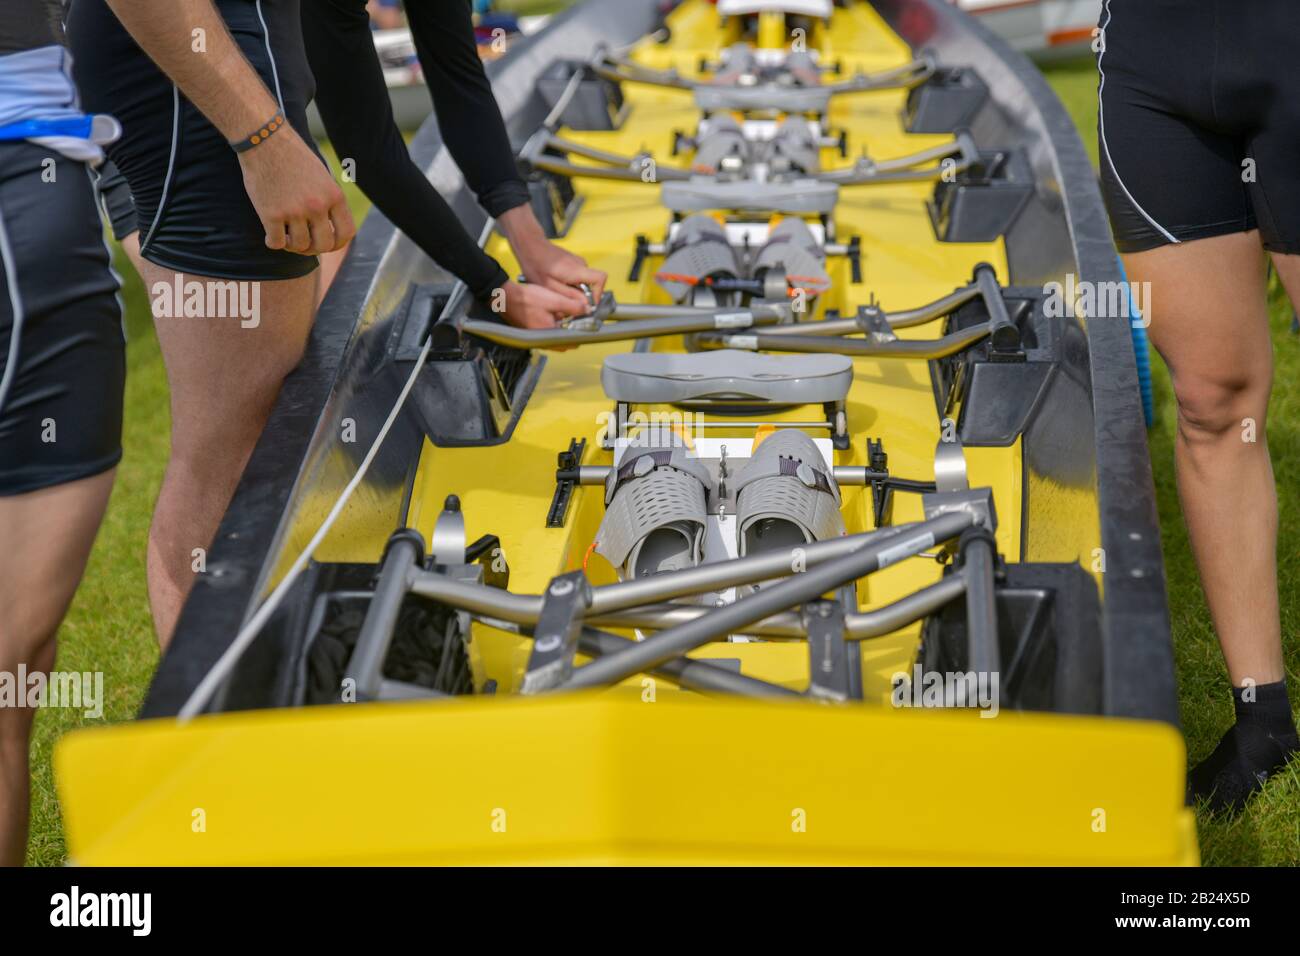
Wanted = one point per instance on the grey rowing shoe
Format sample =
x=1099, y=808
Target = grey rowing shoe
x=656, y=505
x=786, y=496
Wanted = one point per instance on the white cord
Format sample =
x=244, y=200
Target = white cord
x=226, y=662
x=202, y=694
x=562, y=103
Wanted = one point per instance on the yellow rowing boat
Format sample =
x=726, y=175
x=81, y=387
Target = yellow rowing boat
x=826, y=536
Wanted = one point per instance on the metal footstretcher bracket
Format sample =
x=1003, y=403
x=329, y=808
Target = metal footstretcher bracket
x=828, y=653
x=555, y=637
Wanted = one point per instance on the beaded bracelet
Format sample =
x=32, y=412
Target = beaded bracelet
x=273, y=124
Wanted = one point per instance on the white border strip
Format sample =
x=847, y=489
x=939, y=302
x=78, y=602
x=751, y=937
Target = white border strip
x=171, y=165
x=16, y=300
x=1101, y=129
x=275, y=72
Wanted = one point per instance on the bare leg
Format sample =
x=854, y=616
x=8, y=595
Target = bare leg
x=1209, y=321
x=224, y=376
x=45, y=538
x=131, y=246
x=330, y=263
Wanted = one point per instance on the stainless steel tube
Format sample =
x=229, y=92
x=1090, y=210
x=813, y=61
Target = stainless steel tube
x=1003, y=332
x=477, y=598
x=787, y=626
x=981, y=607
x=694, y=674
x=504, y=334
x=927, y=349
x=637, y=310
x=734, y=618
x=905, y=319
x=726, y=574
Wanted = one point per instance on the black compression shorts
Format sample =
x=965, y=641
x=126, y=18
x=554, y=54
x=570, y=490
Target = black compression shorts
x=193, y=213
x=1199, y=120
x=61, y=341
x=115, y=199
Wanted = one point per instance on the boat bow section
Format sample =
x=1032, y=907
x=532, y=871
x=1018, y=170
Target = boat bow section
x=616, y=779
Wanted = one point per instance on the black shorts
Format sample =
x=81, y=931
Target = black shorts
x=61, y=341
x=115, y=199
x=1199, y=120
x=193, y=213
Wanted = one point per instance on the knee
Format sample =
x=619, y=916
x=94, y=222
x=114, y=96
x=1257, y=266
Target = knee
x=278, y=363
x=34, y=607
x=1211, y=410
x=28, y=640
x=257, y=395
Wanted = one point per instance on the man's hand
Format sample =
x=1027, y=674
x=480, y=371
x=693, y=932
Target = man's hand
x=529, y=306
x=547, y=264
x=301, y=207
x=542, y=262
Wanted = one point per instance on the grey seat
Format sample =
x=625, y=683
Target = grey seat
x=726, y=375
x=704, y=193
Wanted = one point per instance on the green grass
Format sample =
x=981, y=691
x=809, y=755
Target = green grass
x=1268, y=831
x=108, y=627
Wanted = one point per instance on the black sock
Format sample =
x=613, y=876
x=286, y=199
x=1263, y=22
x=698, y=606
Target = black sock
x=1258, y=745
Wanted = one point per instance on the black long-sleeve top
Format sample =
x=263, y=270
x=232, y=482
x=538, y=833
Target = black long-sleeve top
x=353, y=102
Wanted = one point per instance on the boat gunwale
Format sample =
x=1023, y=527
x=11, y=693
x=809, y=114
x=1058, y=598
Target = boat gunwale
x=1138, y=650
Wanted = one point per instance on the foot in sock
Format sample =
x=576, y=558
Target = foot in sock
x=1256, y=747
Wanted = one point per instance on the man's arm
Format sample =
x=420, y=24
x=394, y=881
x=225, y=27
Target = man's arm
x=300, y=205
x=353, y=102
x=468, y=116
x=475, y=133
